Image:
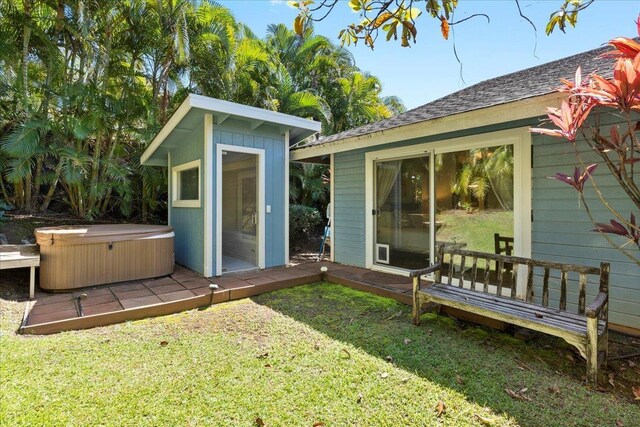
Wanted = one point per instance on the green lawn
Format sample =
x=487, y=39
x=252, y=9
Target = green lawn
x=312, y=354
x=476, y=229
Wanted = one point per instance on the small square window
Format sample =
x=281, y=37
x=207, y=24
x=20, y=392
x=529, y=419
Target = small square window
x=186, y=185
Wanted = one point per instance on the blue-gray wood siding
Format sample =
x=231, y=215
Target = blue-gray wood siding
x=561, y=230
x=272, y=142
x=188, y=223
x=349, y=210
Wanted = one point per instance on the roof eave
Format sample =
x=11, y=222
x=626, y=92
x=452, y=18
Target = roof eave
x=511, y=111
x=305, y=127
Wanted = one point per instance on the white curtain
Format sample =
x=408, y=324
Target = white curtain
x=386, y=176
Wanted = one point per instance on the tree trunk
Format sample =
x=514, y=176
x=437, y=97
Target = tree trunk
x=95, y=172
x=44, y=108
x=10, y=200
x=27, y=193
x=37, y=182
x=105, y=201
x=26, y=36
x=52, y=189
x=47, y=199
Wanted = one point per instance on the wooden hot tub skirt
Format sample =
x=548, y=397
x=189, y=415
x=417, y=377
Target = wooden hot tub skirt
x=79, y=256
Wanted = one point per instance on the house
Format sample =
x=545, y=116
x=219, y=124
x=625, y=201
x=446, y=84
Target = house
x=228, y=167
x=465, y=169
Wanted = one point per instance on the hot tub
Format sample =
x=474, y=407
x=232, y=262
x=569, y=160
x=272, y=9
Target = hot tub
x=76, y=256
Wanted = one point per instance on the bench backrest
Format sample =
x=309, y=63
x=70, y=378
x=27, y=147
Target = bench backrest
x=479, y=269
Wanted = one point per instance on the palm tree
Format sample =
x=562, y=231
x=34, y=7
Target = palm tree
x=359, y=102
x=282, y=96
x=83, y=86
x=487, y=170
x=308, y=185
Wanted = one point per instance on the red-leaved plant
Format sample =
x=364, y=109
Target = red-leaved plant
x=618, y=148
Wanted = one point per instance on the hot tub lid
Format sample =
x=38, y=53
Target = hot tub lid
x=85, y=234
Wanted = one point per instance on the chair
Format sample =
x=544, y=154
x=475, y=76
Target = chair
x=503, y=245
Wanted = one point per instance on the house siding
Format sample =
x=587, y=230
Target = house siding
x=562, y=231
x=349, y=210
x=272, y=142
x=188, y=223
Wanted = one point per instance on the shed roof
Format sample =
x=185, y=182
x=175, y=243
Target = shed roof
x=191, y=112
x=531, y=82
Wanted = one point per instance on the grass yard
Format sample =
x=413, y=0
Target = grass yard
x=314, y=355
x=476, y=229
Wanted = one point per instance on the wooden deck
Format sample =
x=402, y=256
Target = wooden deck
x=185, y=290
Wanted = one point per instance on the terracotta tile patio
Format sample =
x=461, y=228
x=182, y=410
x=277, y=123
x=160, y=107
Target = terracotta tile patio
x=184, y=290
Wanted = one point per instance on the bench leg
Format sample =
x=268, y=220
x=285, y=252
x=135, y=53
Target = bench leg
x=416, y=301
x=605, y=345
x=592, y=351
x=32, y=282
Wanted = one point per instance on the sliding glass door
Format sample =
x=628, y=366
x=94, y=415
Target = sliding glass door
x=402, y=213
x=463, y=198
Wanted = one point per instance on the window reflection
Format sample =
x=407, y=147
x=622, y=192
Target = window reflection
x=474, y=197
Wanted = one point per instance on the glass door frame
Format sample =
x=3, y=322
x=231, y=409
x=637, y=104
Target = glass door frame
x=260, y=202
x=423, y=153
x=519, y=138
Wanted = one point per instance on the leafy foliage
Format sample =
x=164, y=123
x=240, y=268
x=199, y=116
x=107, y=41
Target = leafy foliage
x=85, y=85
x=486, y=171
x=397, y=18
x=303, y=222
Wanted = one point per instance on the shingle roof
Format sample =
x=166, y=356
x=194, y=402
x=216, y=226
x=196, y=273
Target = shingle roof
x=531, y=82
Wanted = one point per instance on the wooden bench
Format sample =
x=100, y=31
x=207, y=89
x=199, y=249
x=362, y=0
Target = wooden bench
x=486, y=284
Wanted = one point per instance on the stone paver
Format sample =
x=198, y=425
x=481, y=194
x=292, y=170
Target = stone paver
x=173, y=287
x=144, y=292
x=101, y=308
x=163, y=281
x=52, y=317
x=100, y=299
x=177, y=295
x=140, y=302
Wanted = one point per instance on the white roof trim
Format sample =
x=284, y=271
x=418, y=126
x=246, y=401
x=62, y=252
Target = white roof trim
x=218, y=106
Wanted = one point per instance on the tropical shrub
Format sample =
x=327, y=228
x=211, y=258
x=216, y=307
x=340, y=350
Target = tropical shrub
x=304, y=221
x=4, y=207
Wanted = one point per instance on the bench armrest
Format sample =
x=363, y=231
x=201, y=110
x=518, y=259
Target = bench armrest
x=593, y=310
x=422, y=272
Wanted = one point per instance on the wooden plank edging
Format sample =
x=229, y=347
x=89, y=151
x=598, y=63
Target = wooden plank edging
x=160, y=309
x=366, y=287
x=121, y=316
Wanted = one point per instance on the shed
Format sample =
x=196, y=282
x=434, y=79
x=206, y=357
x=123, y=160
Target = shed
x=228, y=167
